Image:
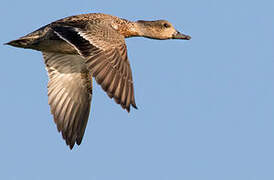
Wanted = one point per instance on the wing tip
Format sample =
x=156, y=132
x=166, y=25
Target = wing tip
x=71, y=146
x=134, y=105
x=128, y=109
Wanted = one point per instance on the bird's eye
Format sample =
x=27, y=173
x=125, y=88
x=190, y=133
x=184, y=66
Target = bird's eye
x=166, y=25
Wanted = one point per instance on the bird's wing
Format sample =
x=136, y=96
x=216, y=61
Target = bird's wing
x=105, y=54
x=70, y=93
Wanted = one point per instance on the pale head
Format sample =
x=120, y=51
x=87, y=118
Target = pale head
x=160, y=29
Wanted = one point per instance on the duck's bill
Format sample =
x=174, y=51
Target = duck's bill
x=178, y=35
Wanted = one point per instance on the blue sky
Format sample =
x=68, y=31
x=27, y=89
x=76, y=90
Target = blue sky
x=205, y=105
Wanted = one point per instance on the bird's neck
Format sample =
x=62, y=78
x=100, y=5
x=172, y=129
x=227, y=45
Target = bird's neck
x=127, y=28
x=143, y=29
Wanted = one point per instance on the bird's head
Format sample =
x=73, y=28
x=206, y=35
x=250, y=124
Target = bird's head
x=160, y=29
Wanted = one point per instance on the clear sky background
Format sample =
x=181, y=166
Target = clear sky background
x=206, y=106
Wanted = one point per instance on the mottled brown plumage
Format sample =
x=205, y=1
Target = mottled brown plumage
x=79, y=47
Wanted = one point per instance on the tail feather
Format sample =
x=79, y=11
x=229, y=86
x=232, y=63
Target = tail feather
x=22, y=43
x=28, y=40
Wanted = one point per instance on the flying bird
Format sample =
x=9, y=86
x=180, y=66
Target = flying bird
x=80, y=47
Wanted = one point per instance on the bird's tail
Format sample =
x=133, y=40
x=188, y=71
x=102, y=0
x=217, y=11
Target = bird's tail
x=21, y=42
x=28, y=40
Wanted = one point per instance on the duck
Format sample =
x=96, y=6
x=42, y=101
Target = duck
x=77, y=49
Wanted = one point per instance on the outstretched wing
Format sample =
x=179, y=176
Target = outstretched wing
x=105, y=54
x=70, y=93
